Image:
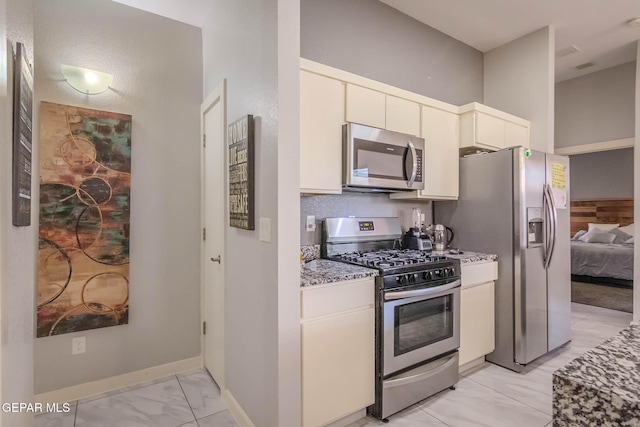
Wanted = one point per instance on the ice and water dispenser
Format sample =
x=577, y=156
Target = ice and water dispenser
x=535, y=227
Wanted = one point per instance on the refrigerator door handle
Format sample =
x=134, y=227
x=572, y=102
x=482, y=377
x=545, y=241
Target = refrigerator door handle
x=554, y=223
x=547, y=220
x=550, y=225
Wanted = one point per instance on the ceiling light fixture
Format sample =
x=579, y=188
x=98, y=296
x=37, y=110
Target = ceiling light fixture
x=87, y=81
x=634, y=22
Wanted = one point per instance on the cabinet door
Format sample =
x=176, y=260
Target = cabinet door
x=489, y=130
x=321, y=119
x=477, y=322
x=515, y=135
x=337, y=366
x=365, y=106
x=402, y=116
x=441, y=153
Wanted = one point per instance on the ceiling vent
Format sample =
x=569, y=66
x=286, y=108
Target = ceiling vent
x=585, y=65
x=567, y=51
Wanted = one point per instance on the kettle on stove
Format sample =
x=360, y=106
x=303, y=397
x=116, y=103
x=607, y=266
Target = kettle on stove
x=442, y=237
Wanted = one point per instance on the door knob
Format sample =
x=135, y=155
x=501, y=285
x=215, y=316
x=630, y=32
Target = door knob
x=217, y=259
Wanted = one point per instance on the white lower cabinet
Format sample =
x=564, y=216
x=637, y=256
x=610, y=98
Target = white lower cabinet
x=338, y=352
x=477, y=311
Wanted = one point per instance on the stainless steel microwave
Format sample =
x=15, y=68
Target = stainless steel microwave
x=381, y=160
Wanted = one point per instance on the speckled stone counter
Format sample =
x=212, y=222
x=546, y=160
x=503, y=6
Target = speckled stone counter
x=467, y=257
x=601, y=387
x=323, y=271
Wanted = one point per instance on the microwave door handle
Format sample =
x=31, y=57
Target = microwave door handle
x=414, y=157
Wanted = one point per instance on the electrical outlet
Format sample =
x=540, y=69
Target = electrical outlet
x=78, y=345
x=311, y=223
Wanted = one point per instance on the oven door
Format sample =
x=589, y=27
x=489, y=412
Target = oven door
x=382, y=159
x=420, y=324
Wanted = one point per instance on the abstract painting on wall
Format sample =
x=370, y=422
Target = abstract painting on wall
x=83, y=254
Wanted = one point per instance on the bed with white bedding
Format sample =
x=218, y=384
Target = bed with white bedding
x=604, y=251
x=602, y=260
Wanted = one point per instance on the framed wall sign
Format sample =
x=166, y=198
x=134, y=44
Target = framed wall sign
x=240, y=140
x=22, y=138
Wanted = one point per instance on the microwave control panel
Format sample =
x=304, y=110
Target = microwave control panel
x=366, y=226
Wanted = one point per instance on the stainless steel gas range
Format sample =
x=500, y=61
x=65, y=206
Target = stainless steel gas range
x=417, y=310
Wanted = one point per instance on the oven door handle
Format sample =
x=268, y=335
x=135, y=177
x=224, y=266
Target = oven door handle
x=390, y=296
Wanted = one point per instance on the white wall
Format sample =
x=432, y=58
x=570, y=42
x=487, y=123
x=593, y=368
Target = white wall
x=157, y=68
x=519, y=79
x=17, y=246
x=254, y=45
x=596, y=107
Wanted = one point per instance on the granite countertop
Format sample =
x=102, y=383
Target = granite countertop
x=323, y=271
x=601, y=387
x=467, y=257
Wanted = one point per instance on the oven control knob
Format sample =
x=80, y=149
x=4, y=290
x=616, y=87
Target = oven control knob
x=410, y=278
x=400, y=279
x=448, y=272
x=427, y=275
x=437, y=273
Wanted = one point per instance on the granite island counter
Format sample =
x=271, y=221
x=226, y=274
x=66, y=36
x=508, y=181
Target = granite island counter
x=601, y=387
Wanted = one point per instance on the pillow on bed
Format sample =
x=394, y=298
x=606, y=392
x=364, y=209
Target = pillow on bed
x=621, y=236
x=629, y=241
x=597, y=236
x=579, y=234
x=603, y=227
x=628, y=229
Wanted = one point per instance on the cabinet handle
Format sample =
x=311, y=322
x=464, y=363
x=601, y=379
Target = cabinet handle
x=218, y=259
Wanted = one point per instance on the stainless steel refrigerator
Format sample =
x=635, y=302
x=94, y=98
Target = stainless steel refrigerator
x=515, y=203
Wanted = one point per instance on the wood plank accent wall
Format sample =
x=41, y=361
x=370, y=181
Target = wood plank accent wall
x=603, y=211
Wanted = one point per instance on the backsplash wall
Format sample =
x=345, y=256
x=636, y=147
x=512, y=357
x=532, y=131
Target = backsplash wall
x=355, y=204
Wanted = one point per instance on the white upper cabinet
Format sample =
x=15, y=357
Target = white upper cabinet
x=403, y=116
x=365, y=106
x=515, y=134
x=322, y=101
x=489, y=130
x=440, y=130
x=485, y=128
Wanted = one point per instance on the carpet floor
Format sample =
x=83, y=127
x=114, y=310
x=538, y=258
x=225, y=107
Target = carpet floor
x=612, y=297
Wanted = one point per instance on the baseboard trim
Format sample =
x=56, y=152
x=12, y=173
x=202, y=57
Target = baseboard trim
x=464, y=369
x=236, y=410
x=93, y=388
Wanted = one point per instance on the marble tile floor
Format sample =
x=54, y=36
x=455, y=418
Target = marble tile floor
x=485, y=396
x=493, y=396
x=191, y=399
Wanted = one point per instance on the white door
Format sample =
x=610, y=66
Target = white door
x=213, y=222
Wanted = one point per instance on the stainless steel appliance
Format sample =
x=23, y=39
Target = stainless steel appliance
x=514, y=203
x=417, y=310
x=381, y=160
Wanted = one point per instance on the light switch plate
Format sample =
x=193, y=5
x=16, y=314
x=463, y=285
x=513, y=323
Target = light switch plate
x=78, y=345
x=265, y=229
x=311, y=223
